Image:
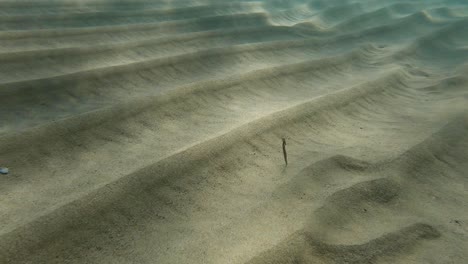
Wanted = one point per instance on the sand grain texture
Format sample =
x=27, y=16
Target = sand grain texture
x=151, y=131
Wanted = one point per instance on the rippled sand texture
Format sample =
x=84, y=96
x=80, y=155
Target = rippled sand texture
x=151, y=131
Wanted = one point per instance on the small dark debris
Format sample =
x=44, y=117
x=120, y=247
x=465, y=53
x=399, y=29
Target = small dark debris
x=365, y=210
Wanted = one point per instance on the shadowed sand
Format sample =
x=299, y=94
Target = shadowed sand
x=151, y=131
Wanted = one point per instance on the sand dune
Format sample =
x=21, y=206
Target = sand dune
x=151, y=131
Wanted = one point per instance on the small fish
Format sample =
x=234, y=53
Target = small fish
x=285, y=154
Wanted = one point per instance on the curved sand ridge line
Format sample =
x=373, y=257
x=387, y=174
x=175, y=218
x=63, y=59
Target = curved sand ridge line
x=195, y=24
x=57, y=7
x=14, y=86
x=390, y=13
x=84, y=19
x=135, y=51
x=58, y=61
x=92, y=137
x=122, y=46
x=445, y=45
x=122, y=36
x=151, y=131
x=156, y=76
x=400, y=30
x=133, y=54
x=201, y=151
x=368, y=200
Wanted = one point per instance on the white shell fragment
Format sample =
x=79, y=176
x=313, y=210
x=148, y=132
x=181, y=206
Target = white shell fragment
x=4, y=170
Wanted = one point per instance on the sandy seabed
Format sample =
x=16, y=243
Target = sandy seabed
x=151, y=131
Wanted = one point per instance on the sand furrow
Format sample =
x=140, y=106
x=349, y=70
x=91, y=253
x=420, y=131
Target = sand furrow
x=86, y=19
x=94, y=89
x=89, y=140
x=62, y=60
x=381, y=192
x=196, y=24
x=208, y=148
x=53, y=62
